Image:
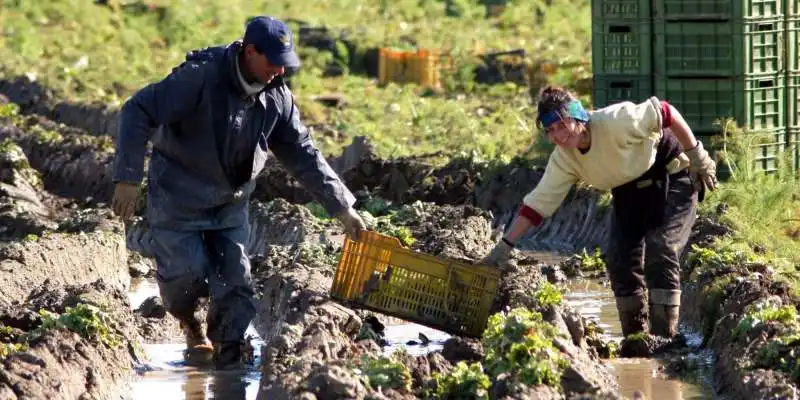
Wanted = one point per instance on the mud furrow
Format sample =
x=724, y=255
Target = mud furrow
x=72, y=163
x=313, y=344
x=77, y=341
x=719, y=300
x=34, y=98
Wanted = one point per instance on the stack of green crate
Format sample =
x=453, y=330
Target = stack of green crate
x=793, y=79
x=621, y=50
x=710, y=58
x=719, y=58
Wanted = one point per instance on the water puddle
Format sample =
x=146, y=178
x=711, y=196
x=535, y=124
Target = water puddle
x=164, y=375
x=594, y=300
x=407, y=335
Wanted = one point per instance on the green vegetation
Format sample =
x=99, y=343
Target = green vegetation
x=756, y=316
x=463, y=382
x=763, y=209
x=521, y=343
x=383, y=372
x=318, y=211
x=9, y=110
x=548, y=295
x=65, y=45
x=89, y=321
x=638, y=337
x=10, y=342
x=318, y=255
x=592, y=262
x=782, y=353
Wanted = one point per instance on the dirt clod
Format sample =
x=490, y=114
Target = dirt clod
x=152, y=307
x=462, y=349
x=90, y=356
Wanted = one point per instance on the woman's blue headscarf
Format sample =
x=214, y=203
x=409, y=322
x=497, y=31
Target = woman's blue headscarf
x=573, y=109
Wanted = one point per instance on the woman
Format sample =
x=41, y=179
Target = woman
x=648, y=157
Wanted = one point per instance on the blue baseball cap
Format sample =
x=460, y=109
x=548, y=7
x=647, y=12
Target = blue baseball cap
x=274, y=39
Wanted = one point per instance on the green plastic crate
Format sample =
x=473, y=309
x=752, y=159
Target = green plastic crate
x=620, y=47
x=634, y=10
x=718, y=48
x=717, y=9
x=793, y=44
x=793, y=138
x=792, y=8
x=793, y=100
x=610, y=89
x=754, y=101
x=768, y=153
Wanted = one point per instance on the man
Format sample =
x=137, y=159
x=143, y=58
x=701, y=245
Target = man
x=218, y=114
x=648, y=157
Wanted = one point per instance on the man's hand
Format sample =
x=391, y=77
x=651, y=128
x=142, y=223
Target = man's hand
x=499, y=255
x=124, y=201
x=353, y=224
x=702, y=168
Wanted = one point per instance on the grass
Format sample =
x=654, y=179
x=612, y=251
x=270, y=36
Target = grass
x=90, y=52
x=763, y=209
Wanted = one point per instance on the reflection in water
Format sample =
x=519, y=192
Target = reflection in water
x=398, y=336
x=164, y=376
x=594, y=300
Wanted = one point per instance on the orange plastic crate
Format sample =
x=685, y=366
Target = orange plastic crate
x=378, y=274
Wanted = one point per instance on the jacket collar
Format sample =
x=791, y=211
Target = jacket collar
x=232, y=73
x=231, y=68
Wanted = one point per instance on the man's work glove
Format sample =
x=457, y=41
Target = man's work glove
x=702, y=168
x=499, y=254
x=124, y=201
x=353, y=224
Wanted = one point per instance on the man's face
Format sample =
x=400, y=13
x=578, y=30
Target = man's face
x=262, y=70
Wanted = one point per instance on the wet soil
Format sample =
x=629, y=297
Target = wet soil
x=716, y=303
x=56, y=362
x=686, y=374
x=292, y=277
x=312, y=342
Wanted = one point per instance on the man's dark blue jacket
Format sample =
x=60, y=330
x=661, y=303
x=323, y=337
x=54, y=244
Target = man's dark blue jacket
x=211, y=140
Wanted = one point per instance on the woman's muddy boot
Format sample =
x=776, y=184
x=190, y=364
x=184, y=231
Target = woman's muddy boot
x=664, y=312
x=664, y=320
x=633, y=320
x=632, y=314
x=198, y=350
x=228, y=355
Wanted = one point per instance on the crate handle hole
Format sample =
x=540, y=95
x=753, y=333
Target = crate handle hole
x=766, y=83
x=765, y=27
x=621, y=85
x=619, y=29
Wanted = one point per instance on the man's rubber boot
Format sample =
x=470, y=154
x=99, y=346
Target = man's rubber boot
x=228, y=356
x=198, y=350
x=664, y=312
x=633, y=320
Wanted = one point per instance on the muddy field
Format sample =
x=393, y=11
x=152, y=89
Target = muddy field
x=62, y=252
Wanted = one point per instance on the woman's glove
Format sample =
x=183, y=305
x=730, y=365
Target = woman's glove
x=499, y=254
x=702, y=168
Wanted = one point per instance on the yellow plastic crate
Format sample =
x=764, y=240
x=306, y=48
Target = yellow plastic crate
x=422, y=67
x=377, y=273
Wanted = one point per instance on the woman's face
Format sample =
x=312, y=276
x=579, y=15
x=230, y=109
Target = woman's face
x=565, y=133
